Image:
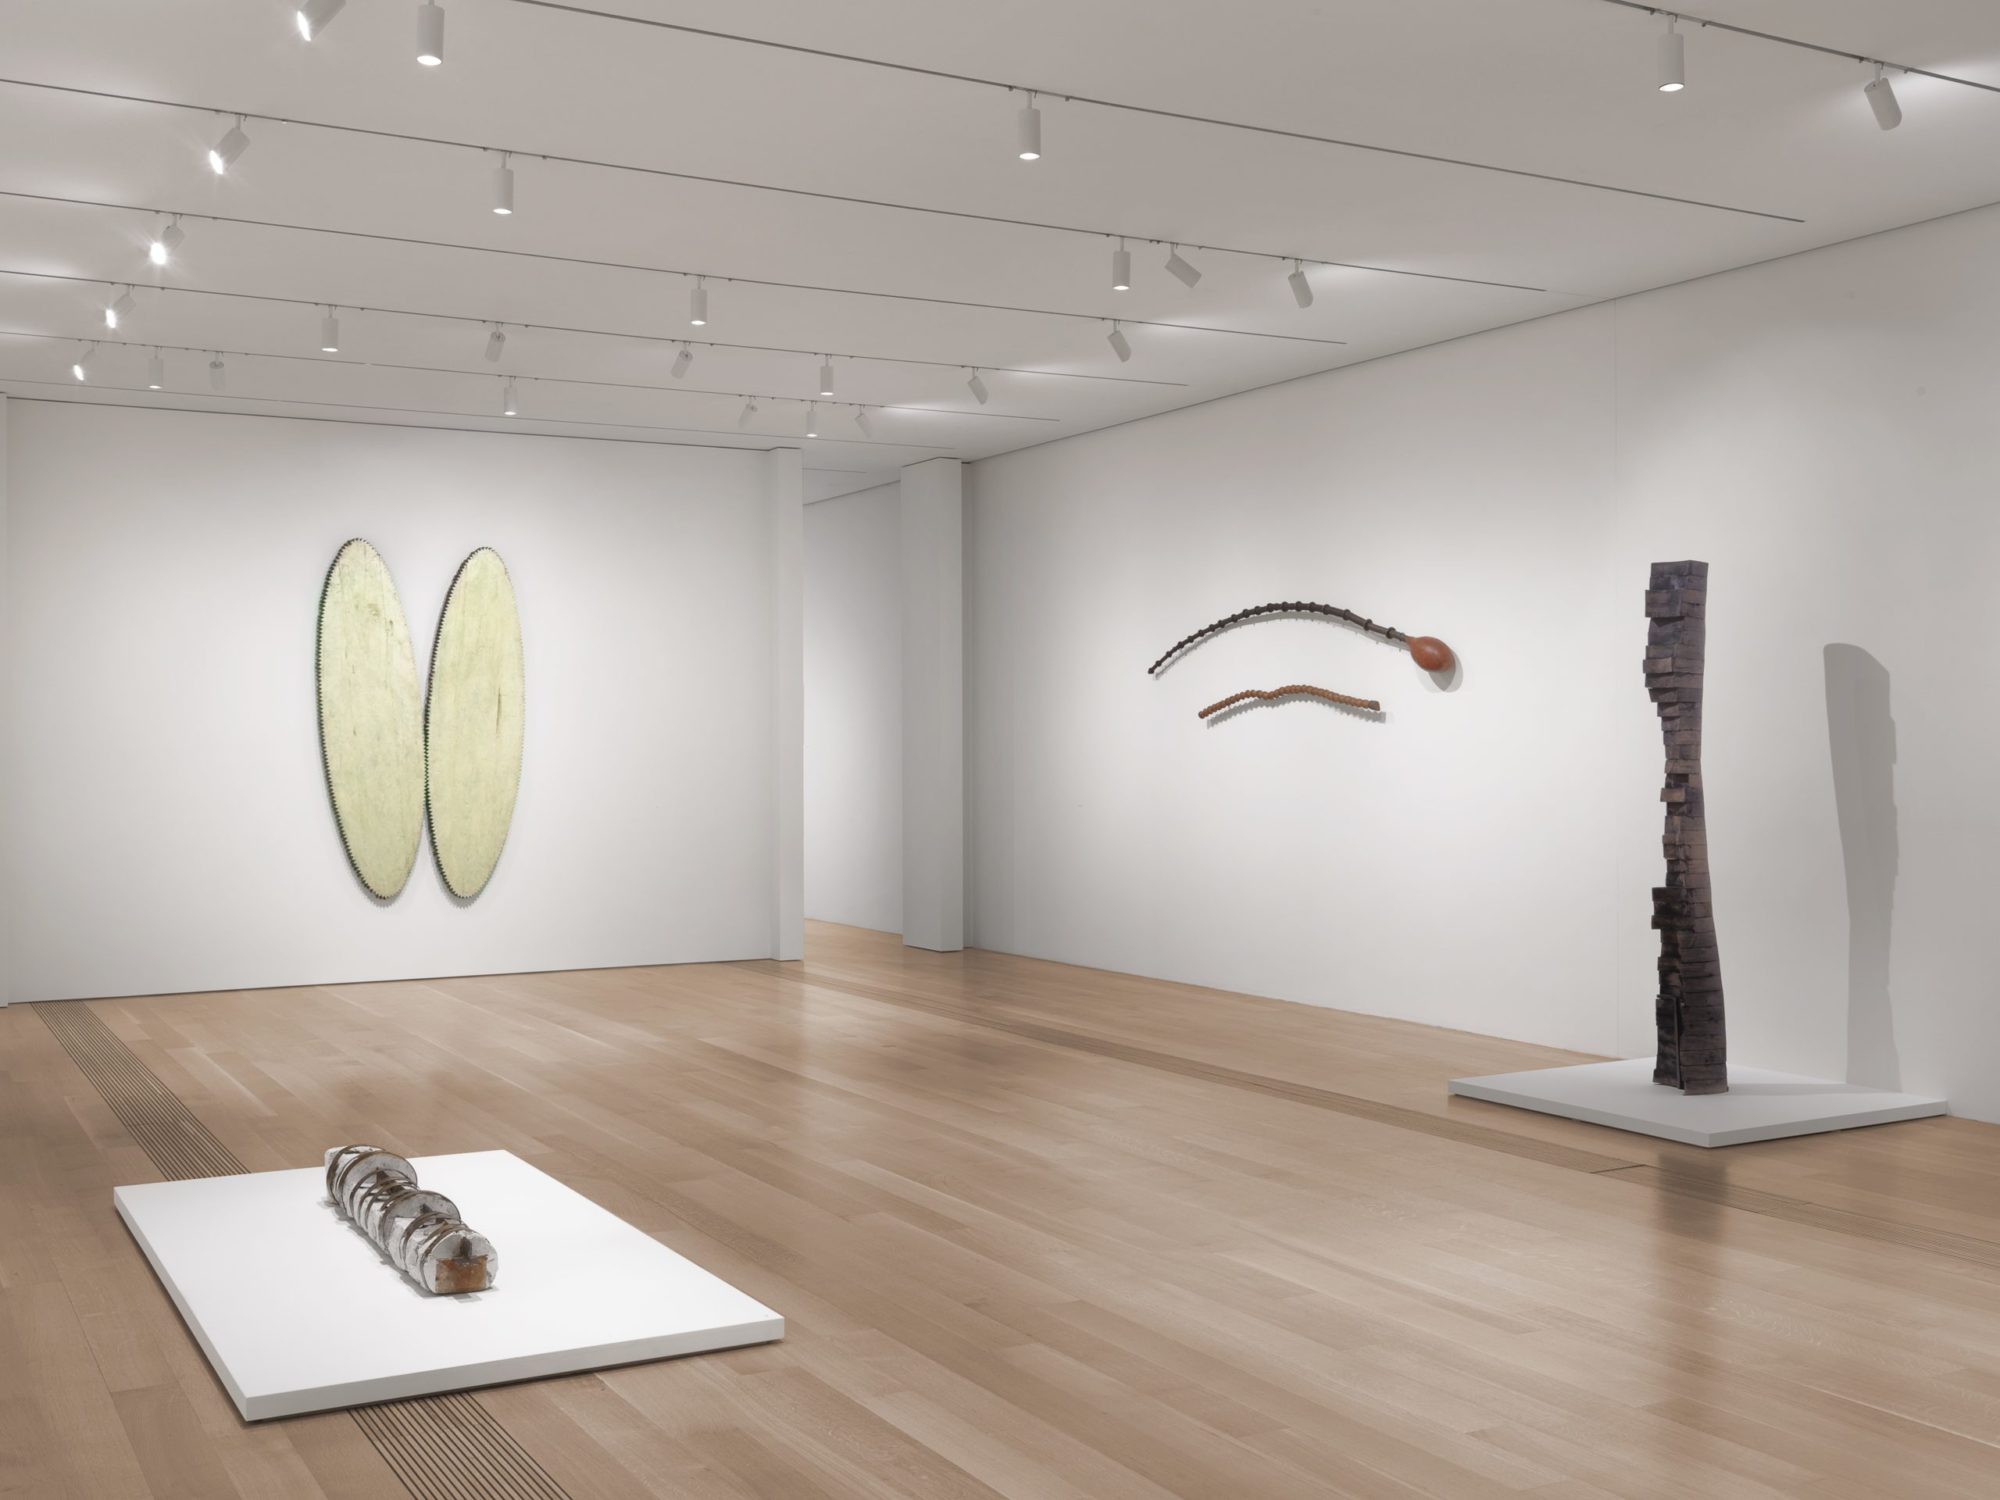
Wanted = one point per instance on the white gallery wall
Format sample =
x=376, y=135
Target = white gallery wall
x=1819, y=429
x=854, y=709
x=167, y=820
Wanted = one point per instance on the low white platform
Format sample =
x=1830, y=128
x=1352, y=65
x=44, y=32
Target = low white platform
x=297, y=1311
x=1760, y=1105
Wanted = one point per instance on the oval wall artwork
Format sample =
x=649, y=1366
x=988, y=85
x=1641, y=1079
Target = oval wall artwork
x=371, y=719
x=473, y=723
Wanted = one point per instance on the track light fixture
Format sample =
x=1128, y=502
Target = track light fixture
x=329, y=333
x=315, y=15
x=166, y=240
x=1673, y=58
x=1180, y=268
x=218, y=376
x=119, y=309
x=748, y=414
x=698, y=304
x=861, y=422
x=156, y=371
x=509, y=405
x=1120, y=345
x=825, y=376
x=81, y=368
x=503, y=186
x=1121, y=269
x=812, y=420
x=1882, y=99
x=1028, y=132
x=223, y=154
x=430, y=34
x=681, y=361
x=1302, y=289
x=978, y=388
x=496, y=344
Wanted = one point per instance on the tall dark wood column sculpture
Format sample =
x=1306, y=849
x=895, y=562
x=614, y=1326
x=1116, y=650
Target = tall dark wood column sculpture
x=1694, y=1055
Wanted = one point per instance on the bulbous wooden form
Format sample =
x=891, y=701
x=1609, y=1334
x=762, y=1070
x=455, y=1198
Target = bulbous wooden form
x=1430, y=653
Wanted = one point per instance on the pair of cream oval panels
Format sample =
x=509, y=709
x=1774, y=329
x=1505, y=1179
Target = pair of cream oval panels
x=392, y=753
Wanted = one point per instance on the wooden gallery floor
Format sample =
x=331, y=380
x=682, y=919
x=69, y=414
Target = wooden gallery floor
x=1036, y=1232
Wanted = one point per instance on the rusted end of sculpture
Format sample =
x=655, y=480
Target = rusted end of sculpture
x=1693, y=1050
x=1430, y=653
x=417, y=1229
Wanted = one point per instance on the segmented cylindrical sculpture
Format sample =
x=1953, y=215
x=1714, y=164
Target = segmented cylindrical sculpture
x=419, y=1230
x=1693, y=1051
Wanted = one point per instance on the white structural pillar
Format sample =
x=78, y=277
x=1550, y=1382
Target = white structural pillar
x=933, y=534
x=784, y=494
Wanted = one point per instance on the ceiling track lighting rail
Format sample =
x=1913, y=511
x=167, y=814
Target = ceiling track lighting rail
x=794, y=192
x=617, y=385
x=792, y=286
x=1123, y=107
x=429, y=411
x=1847, y=54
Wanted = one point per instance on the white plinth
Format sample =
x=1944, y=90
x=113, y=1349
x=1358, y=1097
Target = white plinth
x=297, y=1311
x=1760, y=1105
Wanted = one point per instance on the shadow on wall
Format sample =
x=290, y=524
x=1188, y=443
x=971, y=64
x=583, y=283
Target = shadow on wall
x=1862, y=737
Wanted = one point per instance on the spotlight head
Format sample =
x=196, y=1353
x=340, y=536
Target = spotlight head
x=223, y=154
x=218, y=377
x=1882, y=99
x=156, y=371
x=861, y=422
x=1672, y=60
x=430, y=34
x=826, y=377
x=1028, y=132
x=119, y=310
x=315, y=15
x=1302, y=289
x=81, y=368
x=978, y=388
x=496, y=344
x=329, y=334
x=1121, y=269
x=509, y=406
x=698, y=305
x=165, y=243
x=748, y=415
x=812, y=420
x=503, y=188
x=681, y=362
x=1120, y=345
x=1180, y=269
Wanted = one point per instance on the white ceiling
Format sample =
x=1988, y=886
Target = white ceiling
x=1556, y=87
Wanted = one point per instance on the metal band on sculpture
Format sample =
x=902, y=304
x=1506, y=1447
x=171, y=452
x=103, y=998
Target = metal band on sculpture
x=417, y=1229
x=1430, y=653
x=1292, y=690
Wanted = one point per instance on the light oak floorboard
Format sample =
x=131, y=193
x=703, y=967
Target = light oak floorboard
x=1038, y=1233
